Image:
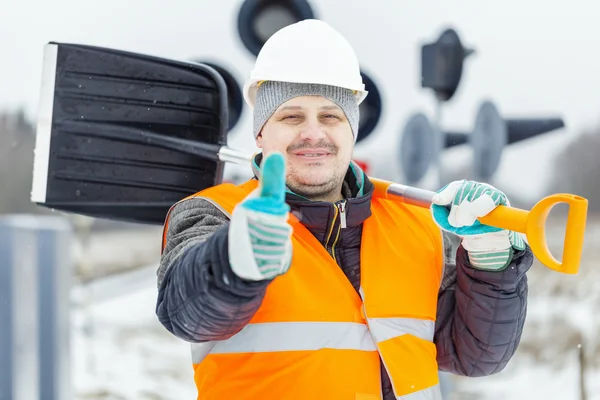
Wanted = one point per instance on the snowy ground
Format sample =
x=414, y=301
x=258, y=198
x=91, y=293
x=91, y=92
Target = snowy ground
x=128, y=355
x=546, y=365
x=562, y=313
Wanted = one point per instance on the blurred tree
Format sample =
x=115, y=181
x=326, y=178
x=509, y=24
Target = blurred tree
x=577, y=169
x=17, y=144
x=17, y=141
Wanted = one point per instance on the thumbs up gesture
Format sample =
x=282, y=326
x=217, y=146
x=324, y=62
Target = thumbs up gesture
x=260, y=245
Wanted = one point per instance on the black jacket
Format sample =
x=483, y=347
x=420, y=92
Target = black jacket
x=480, y=314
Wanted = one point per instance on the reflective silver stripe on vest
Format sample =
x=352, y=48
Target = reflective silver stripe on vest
x=387, y=328
x=431, y=393
x=384, y=329
x=293, y=336
x=201, y=350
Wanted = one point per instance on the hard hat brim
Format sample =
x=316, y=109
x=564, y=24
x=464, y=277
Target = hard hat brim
x=251, y=88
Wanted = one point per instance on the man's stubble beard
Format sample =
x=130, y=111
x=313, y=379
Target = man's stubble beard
x=318, y=190
x=315, y=191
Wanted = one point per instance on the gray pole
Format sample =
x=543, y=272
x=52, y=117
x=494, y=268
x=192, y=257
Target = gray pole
x=19, y=378
x=35, y=271
x=55, y=270
x=439, y=143
x=581, y=359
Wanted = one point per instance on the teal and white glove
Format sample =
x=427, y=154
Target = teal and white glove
x=489, y=248
x=260, y=245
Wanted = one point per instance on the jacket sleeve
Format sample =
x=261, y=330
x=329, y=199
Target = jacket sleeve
x=199, y=297
x=480, y=314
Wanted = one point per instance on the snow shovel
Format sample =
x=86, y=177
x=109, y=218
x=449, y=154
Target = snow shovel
x=124, y=136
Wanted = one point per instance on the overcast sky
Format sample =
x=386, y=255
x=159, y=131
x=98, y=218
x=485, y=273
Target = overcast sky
x=534, y=57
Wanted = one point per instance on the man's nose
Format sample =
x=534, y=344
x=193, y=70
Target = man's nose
x=312, y=130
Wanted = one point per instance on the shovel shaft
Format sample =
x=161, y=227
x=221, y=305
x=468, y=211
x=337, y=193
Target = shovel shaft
x=510, y=218
x=531, y=223
x=402, y=193
x=227, y=154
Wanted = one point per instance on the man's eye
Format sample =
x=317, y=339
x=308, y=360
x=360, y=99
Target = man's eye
x=291, y=117
x=330, y=116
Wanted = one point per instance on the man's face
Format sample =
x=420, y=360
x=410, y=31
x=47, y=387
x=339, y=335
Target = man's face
x=314, y=135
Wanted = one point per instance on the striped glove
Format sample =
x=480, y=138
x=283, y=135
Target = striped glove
x=260, y=245
x=489, y=248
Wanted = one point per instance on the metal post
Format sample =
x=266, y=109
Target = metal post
x=19, y=377
x=581, y=357
x=446, y=385
x=55, y=271
x=439, y=143
x=82, y=225
x=35, y=271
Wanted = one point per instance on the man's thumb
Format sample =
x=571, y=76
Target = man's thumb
x=273, y=177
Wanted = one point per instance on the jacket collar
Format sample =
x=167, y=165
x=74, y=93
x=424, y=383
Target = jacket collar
x=357, y=190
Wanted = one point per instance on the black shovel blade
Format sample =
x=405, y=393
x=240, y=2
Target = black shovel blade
x=96, y=104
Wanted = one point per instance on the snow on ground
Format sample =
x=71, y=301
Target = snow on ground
x=129, y=355
x=134, y=357
x=562, y=313
x=527, y=380
x=546, y=365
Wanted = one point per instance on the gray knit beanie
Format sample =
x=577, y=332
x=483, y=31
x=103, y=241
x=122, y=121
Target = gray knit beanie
x=272, y=94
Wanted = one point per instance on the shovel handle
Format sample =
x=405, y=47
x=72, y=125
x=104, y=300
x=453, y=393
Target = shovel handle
x=532, y=223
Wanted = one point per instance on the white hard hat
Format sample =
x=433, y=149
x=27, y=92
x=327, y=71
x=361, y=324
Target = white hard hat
x=308, y=51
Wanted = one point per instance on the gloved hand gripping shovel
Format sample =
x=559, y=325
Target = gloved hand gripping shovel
x=125, y=136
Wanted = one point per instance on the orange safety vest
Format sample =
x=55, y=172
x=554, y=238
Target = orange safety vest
x=315, y=338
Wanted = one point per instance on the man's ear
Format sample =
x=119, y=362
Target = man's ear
x=259, y=140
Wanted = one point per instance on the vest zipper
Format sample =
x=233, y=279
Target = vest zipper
x=331, y=229
x=337, y=236
x=342, y=212
x=342, y=207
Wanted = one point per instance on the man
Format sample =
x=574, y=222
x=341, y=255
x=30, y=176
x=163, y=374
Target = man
x=303, y=284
